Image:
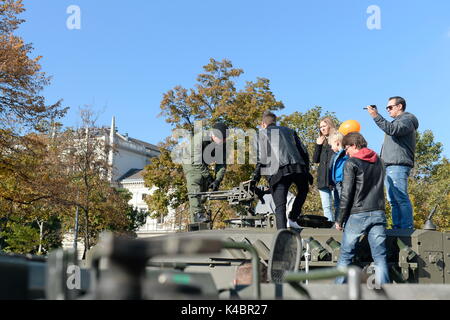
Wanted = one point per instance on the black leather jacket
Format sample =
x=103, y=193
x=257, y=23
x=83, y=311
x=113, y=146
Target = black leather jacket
x=363, y=188
x=279, y=152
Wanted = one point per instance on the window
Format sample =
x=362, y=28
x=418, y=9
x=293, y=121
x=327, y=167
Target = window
x=144, y=195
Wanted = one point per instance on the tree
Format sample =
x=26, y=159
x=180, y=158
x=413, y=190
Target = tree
x=21, y=78
x=429, y=183
x=22, y=109
x=20, y=238
x=428, y=154
x=32, y=189
x=214, y=97
x=83, y=161
x=65, y=169
x=23, y=115
x=136, y=217
x=166, y=178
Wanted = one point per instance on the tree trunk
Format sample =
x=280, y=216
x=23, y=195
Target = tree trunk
x=86, y=235
x=41, y=236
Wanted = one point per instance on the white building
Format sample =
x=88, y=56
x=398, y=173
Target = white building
x=133, y=181
x=128, y=158
x=126, y=153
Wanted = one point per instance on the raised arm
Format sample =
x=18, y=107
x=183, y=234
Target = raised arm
x=400, y=127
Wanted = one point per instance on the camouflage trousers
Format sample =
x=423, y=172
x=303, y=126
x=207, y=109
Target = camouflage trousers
x=197, y=180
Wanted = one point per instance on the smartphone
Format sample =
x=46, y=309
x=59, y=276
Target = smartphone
x=372, y=105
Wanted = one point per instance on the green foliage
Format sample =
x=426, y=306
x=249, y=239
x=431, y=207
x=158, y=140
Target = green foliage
x=168, y=180
x=27, y=178
x=22, y=107
x=428, y=153
x=215, y=97
x=429, y=184
x=20, y=238
x=136, y=217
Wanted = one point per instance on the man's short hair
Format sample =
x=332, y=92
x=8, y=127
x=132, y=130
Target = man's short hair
x=399, y=100
x=222, y=128
x=354, y=139
x=269, y=117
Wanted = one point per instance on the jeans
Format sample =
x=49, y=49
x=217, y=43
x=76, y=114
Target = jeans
x=327, y=196
x=372, y=223
x=396, y=183
x=337, y=197
x=279, y=193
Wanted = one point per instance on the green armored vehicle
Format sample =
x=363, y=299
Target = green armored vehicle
x=248, y=260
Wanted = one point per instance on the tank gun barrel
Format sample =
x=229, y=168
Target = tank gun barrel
x=430, y=216
x=244, y=193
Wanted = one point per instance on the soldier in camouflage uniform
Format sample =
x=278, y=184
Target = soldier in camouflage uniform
x=196, y=170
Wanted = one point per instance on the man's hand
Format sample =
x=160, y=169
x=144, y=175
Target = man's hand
x=214, y=186
x=372, y=111
x=260, y=194
x=321, y=140
x=338, y=227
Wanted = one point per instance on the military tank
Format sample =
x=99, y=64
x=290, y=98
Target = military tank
x=248, y=260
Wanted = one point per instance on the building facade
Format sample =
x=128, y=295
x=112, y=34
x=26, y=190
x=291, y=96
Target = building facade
x=133, y=181
x=127, y=158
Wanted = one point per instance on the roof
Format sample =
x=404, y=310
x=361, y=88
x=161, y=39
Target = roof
x=132, y=174
x=145, y=144
x=106, y=131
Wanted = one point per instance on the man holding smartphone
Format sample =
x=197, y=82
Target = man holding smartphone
x=398, y=153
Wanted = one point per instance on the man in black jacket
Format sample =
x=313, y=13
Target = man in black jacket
x=284, y=160
x=362, y=206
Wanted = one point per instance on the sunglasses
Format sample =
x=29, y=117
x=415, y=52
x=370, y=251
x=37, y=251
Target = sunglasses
x=389, y=108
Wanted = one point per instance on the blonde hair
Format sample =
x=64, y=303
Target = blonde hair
x=336, y=137
x=330, y=123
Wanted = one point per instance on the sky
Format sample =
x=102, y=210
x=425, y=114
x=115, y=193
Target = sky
x=126, y=54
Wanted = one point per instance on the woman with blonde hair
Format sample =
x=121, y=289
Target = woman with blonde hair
x=322, y=155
